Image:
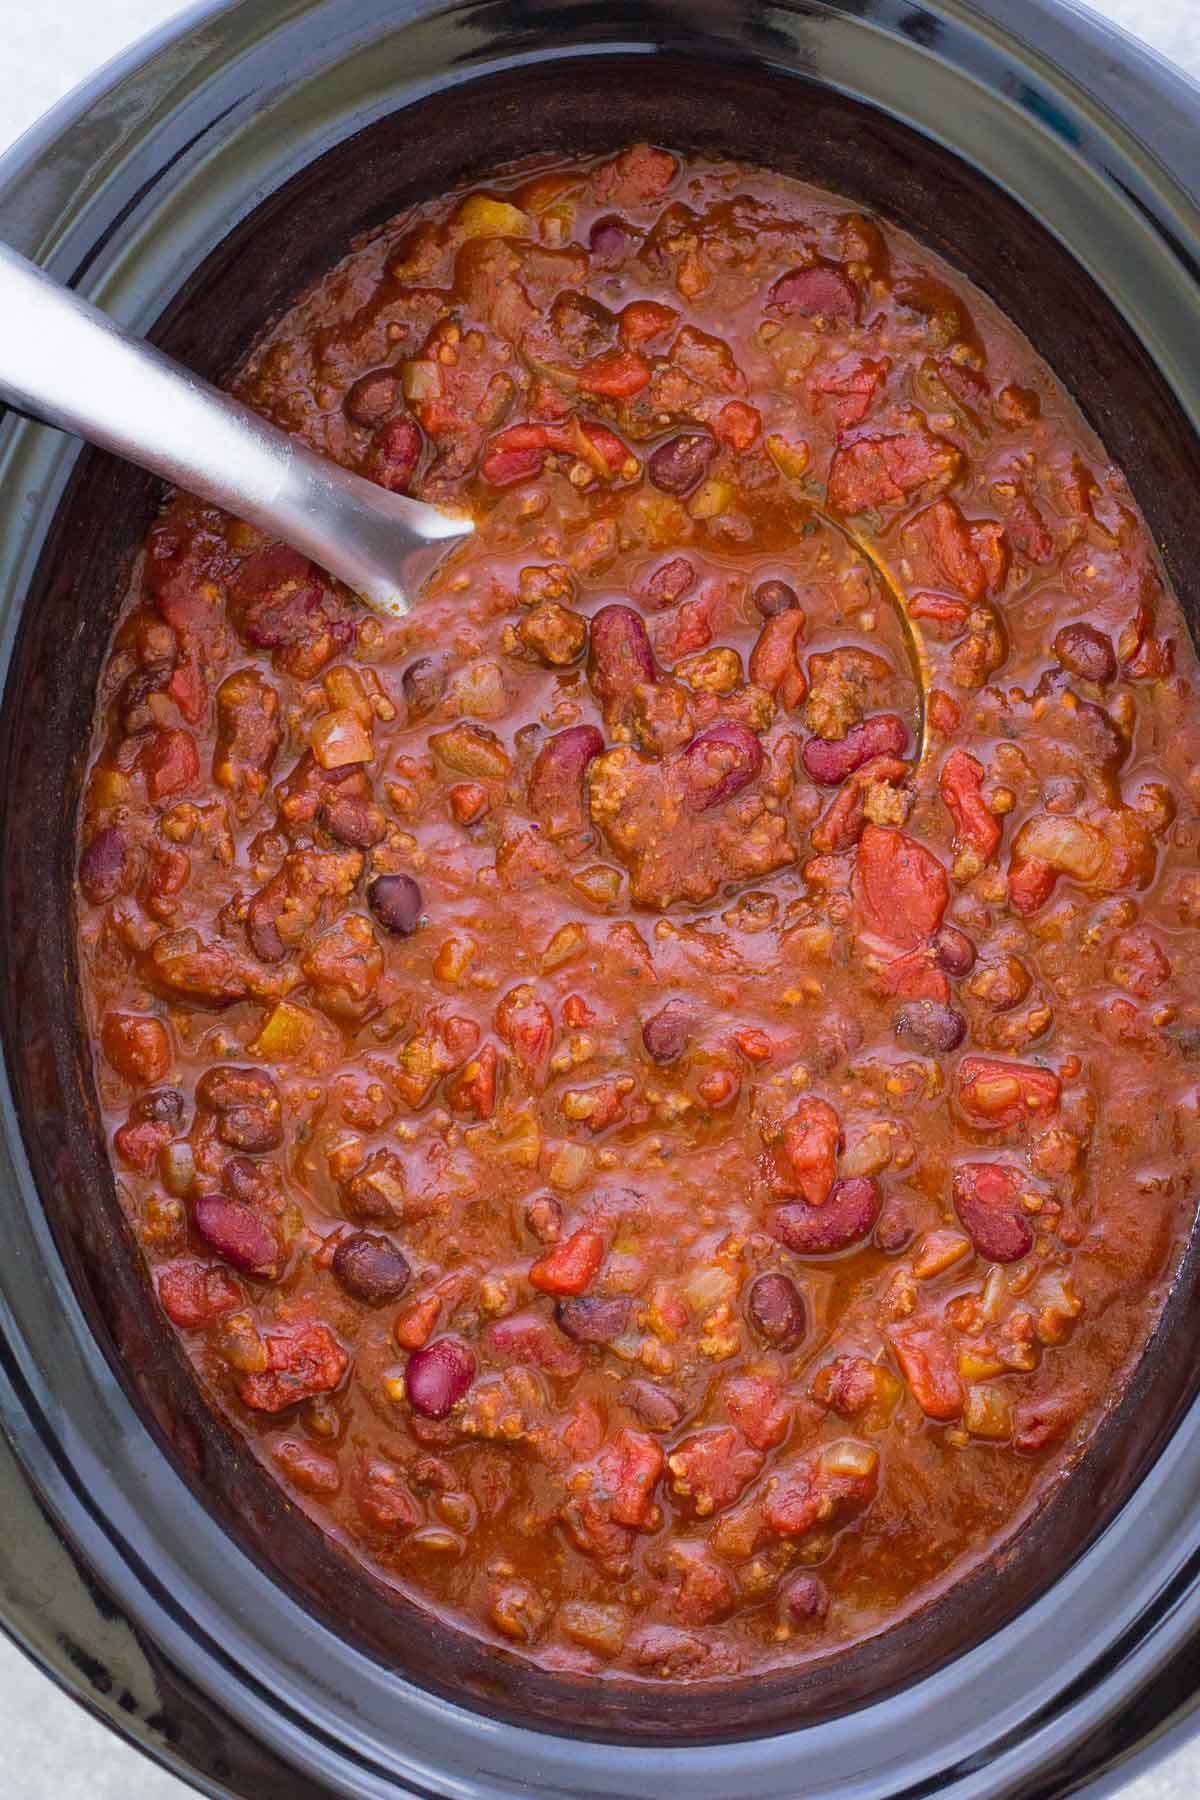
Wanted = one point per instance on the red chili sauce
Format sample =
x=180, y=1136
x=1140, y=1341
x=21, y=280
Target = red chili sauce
x=656, y=1091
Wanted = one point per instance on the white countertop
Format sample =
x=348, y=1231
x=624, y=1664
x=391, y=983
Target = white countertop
x=49, y=1748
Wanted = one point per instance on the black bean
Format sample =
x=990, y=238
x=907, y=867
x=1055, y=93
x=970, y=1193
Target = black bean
x=372, y=397
x=773, y=597
x=1086, y=652
x=665, y=1033
x=777, y=1310
x=954, y=950
x=396, y=902
x=423, y=683
x=930, y=1027
x=657, y=1410
x=103, y=866
x=681, y=463
x=590, y=1319
x=163, y=1107
x=370, y=1268
x=804, y=1599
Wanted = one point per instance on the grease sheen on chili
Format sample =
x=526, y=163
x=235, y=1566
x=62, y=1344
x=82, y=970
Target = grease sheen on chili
x=657, y=1091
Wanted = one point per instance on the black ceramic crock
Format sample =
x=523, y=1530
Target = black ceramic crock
x=193, y=189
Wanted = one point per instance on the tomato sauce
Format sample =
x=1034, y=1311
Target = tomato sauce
x=658, y=1091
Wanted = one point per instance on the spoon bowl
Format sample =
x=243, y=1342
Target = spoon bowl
x=68, y=364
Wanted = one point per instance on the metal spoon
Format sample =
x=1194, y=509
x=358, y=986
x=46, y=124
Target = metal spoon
x=65, y=362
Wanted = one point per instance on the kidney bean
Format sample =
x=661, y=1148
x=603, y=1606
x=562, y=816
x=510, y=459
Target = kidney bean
x=930, y=1027
x=247, y=1105
x=846, y=1217
x=394, y=454
x=163, y=1107
x=104, y=865
x=774, y=597
x=370, y=1268
x=543, y=1216
x=657, y=1410
x=718, y=764
x=238, y=1233
x=423, y=684
x=619, y=656
x=954, y=950
x=804, y=1600
x=929, y=1365
x=1086, y=652
x=821, y=291
x=665, y=1033
x=437, y=1377
x=590, y=1319
x=555, y=786
x=896, y=1229
x=987, y=1201
x=777, y=1311
x=611, y=241
x=680, y=464
x=396, y=902
x=372, y=397
x=132, y=703
x=832, y=760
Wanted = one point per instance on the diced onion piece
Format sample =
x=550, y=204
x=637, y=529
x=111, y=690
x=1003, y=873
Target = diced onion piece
x=974, y=1365
x=708, y=1287
x=421, y=380
x=790, y=459
x=597, y=1627
x=711, y=497
x=988, y=1412
x=344, y=690
x=1069, y=845
x=518, y=1141
x=570, y=1167
x=848, y=1457
x=178, y=1167
x=567, y=942
x=939, y=1251
x=995, y=1292
x=482, y=216
x=339, y=739
x=285, y=1033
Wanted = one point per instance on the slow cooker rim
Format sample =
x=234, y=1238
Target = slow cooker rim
x=44, y=137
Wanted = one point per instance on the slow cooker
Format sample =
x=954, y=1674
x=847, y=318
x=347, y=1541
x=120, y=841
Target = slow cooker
x=193, y=189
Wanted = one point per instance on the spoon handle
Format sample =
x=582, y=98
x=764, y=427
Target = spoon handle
x=70, y=365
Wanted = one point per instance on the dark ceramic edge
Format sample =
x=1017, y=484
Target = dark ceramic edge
x=41, y=143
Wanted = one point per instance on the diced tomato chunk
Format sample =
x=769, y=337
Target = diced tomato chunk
x=644, y=320
x=738, y=424
x=189, y=691
x=930, y=1367
x=138, y=1143
x=192, y=1295
x=757, y=1407
x=617, y=375
x=991, y=1092
x=301, y=1362
x=805, y=1160
x=629, y=1468
x=900, y=888
x=974, y=822
x=170, y=762
x=570, y=1266
x=710, y=1469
